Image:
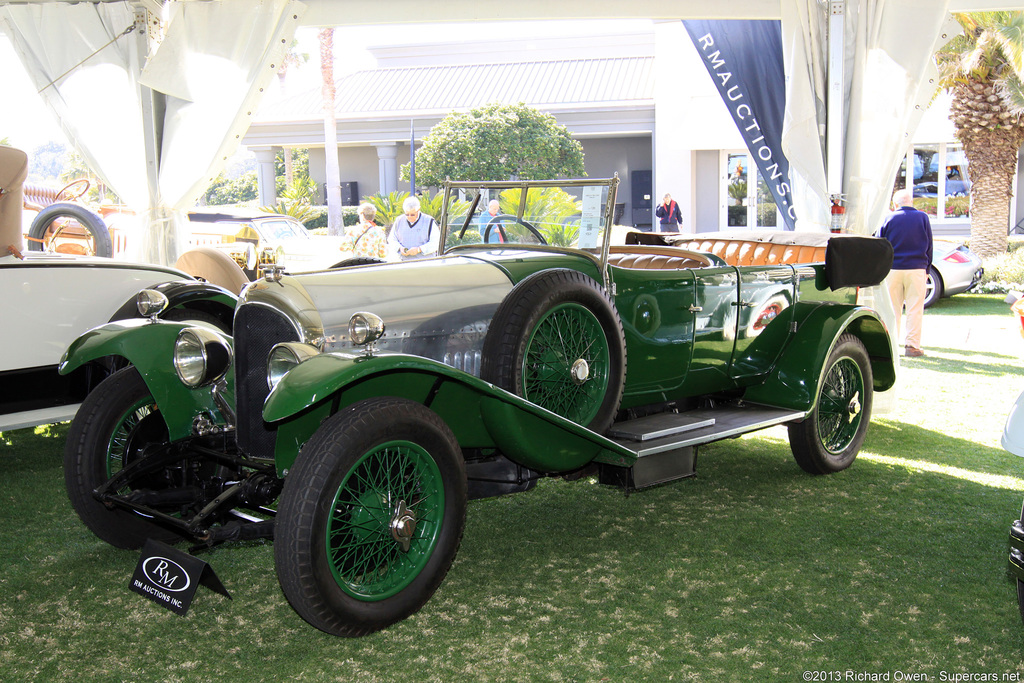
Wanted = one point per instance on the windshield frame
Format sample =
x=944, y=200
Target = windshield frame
x=451, y=187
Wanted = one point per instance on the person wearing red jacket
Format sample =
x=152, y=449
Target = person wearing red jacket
x=669, y=214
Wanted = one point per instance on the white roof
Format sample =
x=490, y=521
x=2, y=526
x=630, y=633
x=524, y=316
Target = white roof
x=417, y=90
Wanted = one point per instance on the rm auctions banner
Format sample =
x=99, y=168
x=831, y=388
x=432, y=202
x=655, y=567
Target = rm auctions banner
x=744, y=58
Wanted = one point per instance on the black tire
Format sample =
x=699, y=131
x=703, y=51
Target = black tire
x=514, y=354
x=829, y=439
x=102, y=246
x=336, y=495
x=357, y=261
x=116, y=422
x=932, y=287
x=1020, y=584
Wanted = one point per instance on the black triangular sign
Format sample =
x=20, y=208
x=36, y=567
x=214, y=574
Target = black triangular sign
x=170, y=577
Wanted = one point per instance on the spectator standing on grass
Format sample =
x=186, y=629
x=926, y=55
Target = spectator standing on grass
x=910, y=233
x=414, y=234
x=669, y=214
x=365, y=238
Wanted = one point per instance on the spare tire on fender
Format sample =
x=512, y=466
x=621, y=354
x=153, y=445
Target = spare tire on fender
x=557, y=341
x=89, y=220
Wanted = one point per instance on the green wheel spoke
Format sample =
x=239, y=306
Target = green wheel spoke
x=367, y=561
x=567, y=334
x=838, y=413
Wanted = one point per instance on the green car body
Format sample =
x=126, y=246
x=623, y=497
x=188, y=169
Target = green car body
x=497, y=363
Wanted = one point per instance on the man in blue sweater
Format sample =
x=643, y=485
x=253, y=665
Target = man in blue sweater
x=910, y=233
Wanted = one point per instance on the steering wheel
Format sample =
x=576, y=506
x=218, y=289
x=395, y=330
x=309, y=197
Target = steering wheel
x=499, y=222
x=73, y=190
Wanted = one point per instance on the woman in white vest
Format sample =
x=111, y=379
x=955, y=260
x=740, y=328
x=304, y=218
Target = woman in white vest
x=414, y=234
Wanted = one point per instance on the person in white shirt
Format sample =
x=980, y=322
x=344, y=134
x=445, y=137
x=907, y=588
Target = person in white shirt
x=414, y=234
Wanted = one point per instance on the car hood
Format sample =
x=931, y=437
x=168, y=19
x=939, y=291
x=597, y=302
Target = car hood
x=438, y=308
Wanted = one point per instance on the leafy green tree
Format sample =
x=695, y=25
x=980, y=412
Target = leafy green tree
x=497, y=142
x=983, y=70
x=223, y=190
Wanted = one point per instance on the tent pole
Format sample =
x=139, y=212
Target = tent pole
x=150, y=133
x=834, y=136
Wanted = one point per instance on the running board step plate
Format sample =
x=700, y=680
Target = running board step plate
x=669, y=431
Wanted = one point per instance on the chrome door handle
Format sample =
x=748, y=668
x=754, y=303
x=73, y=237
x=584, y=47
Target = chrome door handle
x=695, y=309
x=743, y=304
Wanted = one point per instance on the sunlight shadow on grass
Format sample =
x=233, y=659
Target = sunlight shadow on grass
x=969, y=352
x=953, y=366
x=998, y=481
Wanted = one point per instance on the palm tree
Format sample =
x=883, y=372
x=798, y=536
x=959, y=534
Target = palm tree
x=292, y=58
x=983, y=71
x=334, y=219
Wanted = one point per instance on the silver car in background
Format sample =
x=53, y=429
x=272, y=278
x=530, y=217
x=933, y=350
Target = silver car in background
x=954, y=269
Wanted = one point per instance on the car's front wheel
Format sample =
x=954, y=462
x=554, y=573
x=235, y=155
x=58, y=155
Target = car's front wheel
x=370, y=517
x=829, y=439
x=118, y=423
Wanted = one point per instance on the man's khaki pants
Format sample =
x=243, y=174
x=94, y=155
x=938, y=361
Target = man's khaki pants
x=908, y=287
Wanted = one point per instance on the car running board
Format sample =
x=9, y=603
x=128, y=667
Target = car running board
x=665, y=444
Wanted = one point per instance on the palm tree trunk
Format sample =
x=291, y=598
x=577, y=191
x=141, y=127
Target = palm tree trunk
x=333, y=172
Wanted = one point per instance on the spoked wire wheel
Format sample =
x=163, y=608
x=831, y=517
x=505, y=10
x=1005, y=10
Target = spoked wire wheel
x=385, y=520
x=371, y=516
x=830, y=437
x=840, y=408
x=567, y=363
x=557, y=341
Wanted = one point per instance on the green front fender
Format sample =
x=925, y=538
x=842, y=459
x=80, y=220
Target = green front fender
x=793, y=383
x=149, y=346
x=480, y=414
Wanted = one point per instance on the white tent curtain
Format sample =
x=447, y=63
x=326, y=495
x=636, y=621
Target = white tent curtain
x=890, y=79
x=212, y=65
x=97, y=103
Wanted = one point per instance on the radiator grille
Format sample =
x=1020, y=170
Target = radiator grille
x=257, y=330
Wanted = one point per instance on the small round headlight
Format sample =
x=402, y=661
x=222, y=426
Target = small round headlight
x=151, y=303
x=201, y=356
x=365, y=328
x=285, y=356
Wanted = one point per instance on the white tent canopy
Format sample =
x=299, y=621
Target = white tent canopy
x=157, y=116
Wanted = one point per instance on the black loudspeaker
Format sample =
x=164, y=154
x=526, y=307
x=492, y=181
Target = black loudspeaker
x=350, y=193
x=641, y=185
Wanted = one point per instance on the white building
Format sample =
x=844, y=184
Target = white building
x=640, y=102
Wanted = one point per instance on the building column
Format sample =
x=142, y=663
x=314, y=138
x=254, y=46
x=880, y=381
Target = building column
x=674, y=124
x=266, y=174
x=387, y=167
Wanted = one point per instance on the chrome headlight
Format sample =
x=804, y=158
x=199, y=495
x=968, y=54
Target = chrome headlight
x=151, y=303
x=201, y=356
x=285, y=356
x=365, y=328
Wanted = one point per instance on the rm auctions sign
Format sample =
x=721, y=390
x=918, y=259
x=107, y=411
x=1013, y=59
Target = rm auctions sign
x=170, y=577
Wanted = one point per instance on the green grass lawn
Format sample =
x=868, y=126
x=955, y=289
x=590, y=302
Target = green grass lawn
x=753, y=570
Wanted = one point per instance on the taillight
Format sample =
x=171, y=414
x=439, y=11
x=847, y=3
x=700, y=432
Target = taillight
x=957, y=257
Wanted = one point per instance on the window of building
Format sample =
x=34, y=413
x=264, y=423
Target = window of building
x=939, y=180
x=746, y=205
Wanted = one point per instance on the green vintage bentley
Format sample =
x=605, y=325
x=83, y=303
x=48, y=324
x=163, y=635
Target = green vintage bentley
x=356, y=410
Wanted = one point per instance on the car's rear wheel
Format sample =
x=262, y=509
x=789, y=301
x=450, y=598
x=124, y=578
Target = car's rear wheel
x=557, y=341
x=829, y=439
x=370, y=517
x=932, y=287
x=117, y=423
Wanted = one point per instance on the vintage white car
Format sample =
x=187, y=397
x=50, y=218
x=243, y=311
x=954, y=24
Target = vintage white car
x=50, y=299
